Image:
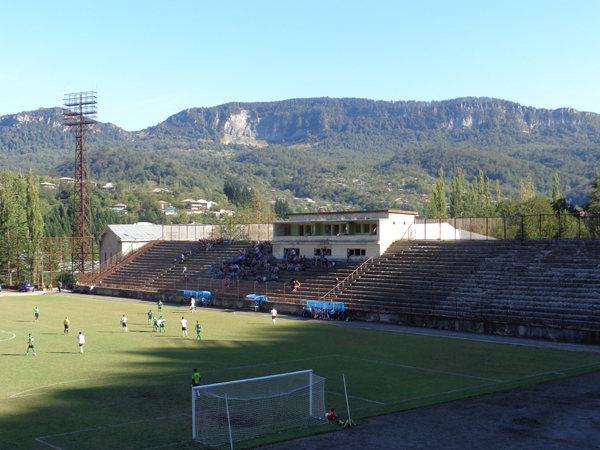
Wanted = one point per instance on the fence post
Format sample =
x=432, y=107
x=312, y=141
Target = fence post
x=579, y=227
x=522, y=227
x=425, y=229
x=487, y=233
x=455, y=229
x=470, y=228
x=504, y=227
x=540, y=226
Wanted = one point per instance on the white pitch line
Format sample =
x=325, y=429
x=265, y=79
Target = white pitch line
x=8, y=339
x=423, y=369
x=109, y=426
x=49, y=445
x=426, y=396
x=352, y=396
x=25, y=394
x=168, y=445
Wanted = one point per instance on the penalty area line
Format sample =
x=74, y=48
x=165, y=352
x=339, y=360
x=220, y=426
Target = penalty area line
x=40, y=439
x=168, y=445
x=46, y=443
x=423, y=369
x=27, y=392
x=357, y=398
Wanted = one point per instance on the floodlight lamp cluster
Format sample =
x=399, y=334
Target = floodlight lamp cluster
x=80, y=109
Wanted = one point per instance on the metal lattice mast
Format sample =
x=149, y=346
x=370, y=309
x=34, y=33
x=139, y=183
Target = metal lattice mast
x=79, y=114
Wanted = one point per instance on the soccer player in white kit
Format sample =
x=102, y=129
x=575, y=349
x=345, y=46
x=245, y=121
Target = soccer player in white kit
x=124, y=324
x=193, y=304
x=81, y=340
x=274, y=315
x=183, y=327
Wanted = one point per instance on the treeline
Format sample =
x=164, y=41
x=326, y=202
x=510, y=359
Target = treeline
x=476, y=198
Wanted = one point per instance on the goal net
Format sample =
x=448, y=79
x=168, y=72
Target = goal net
x=238, y=410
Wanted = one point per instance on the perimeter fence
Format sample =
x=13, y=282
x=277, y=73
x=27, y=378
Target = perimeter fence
x=539, y=226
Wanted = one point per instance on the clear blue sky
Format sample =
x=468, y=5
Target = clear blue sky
x=151, y=59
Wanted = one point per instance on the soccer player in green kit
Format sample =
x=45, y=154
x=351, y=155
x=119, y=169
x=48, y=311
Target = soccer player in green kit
x=198, y=330
x=155, y=322
x=150, y=314
x=36, y=313
x=30, y=345
x=160, y=305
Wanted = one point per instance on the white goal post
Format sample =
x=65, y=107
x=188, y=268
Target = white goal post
x=243, y=409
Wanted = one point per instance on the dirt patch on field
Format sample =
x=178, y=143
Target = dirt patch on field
x=559, y=415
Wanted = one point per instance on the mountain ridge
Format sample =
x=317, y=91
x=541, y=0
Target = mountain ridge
x=324, y=134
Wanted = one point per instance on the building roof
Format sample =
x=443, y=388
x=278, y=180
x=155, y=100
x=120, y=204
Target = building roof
x=134, y=232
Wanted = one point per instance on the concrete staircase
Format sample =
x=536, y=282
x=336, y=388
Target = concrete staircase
x=552, y=283
x=156, y=269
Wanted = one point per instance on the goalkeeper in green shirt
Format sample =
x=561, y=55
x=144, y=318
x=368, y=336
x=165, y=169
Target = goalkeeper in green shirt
x=198, y=330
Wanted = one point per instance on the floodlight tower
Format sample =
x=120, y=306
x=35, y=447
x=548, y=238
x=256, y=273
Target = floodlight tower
x=79, y=115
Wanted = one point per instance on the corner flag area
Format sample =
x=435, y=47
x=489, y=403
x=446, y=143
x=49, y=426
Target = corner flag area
x=133, y=390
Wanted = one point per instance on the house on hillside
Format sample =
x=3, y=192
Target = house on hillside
x=49, y=186
x=120, y=208
x=66, y=180
x=199, y=206
x=109, y=188
x=357, y=235
x=126, y=238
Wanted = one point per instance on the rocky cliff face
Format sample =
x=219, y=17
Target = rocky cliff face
x=293, y=120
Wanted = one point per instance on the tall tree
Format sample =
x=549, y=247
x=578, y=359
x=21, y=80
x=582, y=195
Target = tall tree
x=35, y=224
x=594, y=204
x=457, y=200
x=13, y=226
x=437, y=207
x=528, y=190
x=498, y=194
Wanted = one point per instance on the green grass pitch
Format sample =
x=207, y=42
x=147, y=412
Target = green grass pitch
x=132, y=391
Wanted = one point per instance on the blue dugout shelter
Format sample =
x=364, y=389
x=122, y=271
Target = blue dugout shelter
x=206, y=295
x=329, y=306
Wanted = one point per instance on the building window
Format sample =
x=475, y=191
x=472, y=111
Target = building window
x=284, y=230
x=322, y=251
x=357, y=252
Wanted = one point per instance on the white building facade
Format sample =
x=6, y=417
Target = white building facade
x=353, y=235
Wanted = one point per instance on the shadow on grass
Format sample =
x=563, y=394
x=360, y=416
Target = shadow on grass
x=151, y=386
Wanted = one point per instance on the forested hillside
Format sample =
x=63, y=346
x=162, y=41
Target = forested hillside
x=337, y=152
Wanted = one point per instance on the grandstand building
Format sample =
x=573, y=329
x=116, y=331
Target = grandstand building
x=353, y=235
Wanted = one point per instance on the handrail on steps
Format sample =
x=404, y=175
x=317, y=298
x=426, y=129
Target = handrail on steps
x=338, y=287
